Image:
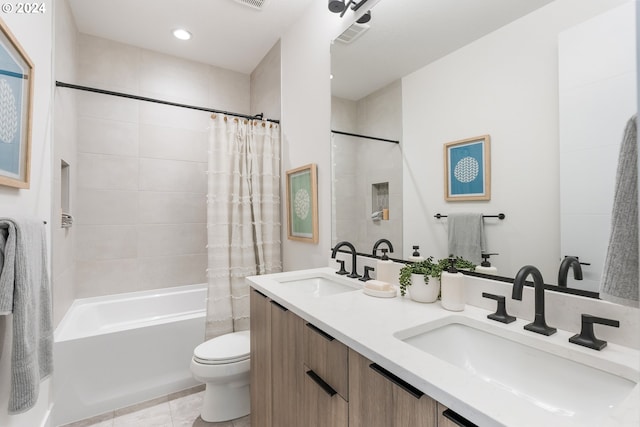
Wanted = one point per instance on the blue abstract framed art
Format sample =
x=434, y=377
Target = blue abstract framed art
x=467, y=169
x=16, y=94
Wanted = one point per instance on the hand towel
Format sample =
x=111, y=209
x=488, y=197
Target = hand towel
x=466, y=236
x=620, y=277
x=25, y=292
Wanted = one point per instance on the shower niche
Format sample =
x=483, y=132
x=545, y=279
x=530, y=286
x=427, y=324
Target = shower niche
x=380, y=201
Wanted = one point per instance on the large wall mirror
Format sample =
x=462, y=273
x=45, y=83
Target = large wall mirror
x=552, y=82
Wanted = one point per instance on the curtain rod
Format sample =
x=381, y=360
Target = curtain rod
x=393, y=141
x=159, y=101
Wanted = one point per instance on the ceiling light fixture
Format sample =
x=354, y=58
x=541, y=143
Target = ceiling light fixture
x=338, y=6
x=181, y=34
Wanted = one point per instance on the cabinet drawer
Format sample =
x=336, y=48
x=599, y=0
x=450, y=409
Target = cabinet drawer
x=323, y=406
x=328, y=358
x=448, y=418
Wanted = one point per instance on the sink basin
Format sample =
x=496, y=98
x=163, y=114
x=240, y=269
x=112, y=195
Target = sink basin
x=319, y=285
x=561, y=386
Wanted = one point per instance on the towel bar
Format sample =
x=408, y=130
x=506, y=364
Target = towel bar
x=499, y=216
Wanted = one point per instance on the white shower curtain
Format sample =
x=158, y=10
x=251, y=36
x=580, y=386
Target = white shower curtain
x=243, y=216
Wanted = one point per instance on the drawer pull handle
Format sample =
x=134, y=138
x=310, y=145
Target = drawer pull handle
x=397, y=381
x=320, y=332
x=326, y=387
x=281, y=307
x=457, y=419
x=260, y=293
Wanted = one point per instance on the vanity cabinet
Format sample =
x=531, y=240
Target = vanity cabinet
x=302, y=376
x=260, y=326
x=380, y=399
x=286, y=367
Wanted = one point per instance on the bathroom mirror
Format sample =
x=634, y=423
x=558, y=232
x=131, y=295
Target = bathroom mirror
x=496, y=72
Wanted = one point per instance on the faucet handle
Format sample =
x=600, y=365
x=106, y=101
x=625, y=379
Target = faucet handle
x=501, y=313
x=586, y=337
x=342, y=271
x=366, y=276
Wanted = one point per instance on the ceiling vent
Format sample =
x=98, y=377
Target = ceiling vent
x=253, y=4
x=352, y=33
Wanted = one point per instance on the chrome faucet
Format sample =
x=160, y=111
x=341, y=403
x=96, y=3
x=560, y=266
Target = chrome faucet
x=354, y=274
x=539, y=325
x=563, y=272
x=375, y=246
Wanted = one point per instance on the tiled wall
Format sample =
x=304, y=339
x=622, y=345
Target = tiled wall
x=359, y=163
x=64, y=148
x=141, y=211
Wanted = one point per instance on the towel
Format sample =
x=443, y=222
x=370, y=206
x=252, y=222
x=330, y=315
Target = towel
x=620, y=277
x=466, y=236
x=25, y=292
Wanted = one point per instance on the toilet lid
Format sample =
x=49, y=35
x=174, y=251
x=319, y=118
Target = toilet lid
x=228, y=348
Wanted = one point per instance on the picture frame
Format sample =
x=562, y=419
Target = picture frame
x=16, y=97
x=467, y=169
x=302, y=204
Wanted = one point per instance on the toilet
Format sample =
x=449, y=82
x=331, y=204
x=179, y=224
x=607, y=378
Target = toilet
x=222, y=363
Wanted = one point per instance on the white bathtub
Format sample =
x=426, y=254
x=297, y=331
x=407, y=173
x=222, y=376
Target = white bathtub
x=115, y=351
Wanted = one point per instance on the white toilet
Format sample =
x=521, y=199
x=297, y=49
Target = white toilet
x=222, y=363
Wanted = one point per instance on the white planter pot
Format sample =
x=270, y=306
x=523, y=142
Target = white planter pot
x=422, y=292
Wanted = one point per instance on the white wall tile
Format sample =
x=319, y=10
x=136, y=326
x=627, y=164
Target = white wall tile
x=171, y=208
x=106, y=64
x=106, y=277
x=107, y=107
x=101, y=242
x=173, y=143
x=172, y=175
x=176, y=117
x=104, y=207
x=171, y=239
x=97, y=135
x=174, y=270
x=107, y=172
x=229, y=90
x=174, y=79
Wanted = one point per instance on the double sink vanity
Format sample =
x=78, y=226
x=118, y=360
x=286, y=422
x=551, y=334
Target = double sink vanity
x=324, y=353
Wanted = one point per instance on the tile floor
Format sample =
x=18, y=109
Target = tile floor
x=180, y=409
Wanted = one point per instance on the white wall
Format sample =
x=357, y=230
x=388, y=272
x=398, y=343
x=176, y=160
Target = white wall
x=591, y=133
x=506, y=85
x=34, y=33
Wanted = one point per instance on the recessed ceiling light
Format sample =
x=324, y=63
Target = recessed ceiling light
x=181, y=34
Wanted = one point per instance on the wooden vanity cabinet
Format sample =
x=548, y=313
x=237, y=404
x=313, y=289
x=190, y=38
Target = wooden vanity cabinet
x=301, y=376
x=286, y=367
x=260, y=326
x=377, y=398
x=326, y=382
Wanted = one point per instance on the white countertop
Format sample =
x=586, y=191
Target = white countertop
x=367, y=324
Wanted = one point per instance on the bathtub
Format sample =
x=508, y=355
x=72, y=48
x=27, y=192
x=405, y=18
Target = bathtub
x=115, y=351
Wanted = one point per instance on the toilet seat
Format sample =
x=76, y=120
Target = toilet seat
x=225, y=349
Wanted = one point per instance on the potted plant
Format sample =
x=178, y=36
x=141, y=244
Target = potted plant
x=418, y=275
x=424, y=277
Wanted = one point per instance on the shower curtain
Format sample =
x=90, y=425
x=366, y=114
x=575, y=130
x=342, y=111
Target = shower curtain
x=243, y=216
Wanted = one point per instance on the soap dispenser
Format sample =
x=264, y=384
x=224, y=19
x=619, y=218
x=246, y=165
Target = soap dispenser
x=384, y=268
x=452, y=288
x=485, y=267
x=416, y=257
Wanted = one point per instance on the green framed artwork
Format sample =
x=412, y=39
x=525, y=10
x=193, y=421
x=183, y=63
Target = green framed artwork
x=16, y=94
x=302, y=204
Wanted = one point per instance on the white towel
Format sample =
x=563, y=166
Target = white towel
x=466, y=236
x=25, y=292
x=620, y=277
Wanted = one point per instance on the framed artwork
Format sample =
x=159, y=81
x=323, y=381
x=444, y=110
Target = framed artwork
x=302, y=204
x=467, y=169
x=16, y=95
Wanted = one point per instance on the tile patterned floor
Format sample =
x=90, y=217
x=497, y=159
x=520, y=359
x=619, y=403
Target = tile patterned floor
x=176, y=410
